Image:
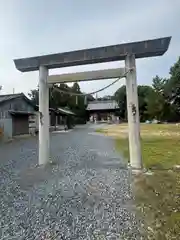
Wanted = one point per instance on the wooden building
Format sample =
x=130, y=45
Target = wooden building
x=102, y=110
x=58, y=118
x=15, y=110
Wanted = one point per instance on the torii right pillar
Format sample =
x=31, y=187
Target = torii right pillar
x=133, y=114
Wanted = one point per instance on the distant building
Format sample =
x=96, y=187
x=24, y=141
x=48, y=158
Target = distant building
x=57, y=117
x=102, y=110
x=15, y=110
x=18, y=116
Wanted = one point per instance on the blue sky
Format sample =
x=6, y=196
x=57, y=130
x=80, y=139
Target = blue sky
x=30, y=28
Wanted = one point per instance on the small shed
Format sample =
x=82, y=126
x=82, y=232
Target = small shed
x=20, y=122
x=57, y=117
x=64, y=116
x=15, y=110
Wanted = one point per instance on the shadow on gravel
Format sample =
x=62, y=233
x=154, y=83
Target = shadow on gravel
x=34, y=175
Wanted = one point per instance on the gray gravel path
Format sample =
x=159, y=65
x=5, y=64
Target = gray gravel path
x=85, y=194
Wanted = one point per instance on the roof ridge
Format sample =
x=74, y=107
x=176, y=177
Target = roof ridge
x=8, y=97
x=11, y=94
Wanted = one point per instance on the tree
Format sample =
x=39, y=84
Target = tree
x=158, y=84
x=34, y=96
x=155, y=106
x=155, y=99
x=120, y=97
x=161, y=100
x=143, y=94
x=78, y=103
x=74, y=101
x=165, y=101
x=60, y=99
x=173, y=85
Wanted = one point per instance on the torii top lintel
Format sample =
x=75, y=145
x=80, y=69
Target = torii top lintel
x=143, y=49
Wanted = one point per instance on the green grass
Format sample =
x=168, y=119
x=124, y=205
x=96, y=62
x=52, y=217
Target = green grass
x=160, y=144
x=157, y=196
x=157, y=153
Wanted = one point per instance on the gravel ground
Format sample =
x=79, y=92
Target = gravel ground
x=84, y=194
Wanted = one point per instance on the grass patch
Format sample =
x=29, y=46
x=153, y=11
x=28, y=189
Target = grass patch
x=101, y=130
x=157, y=196
x=160, y=143
x=157, y=153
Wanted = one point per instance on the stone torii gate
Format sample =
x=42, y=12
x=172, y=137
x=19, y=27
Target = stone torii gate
x=128, y=52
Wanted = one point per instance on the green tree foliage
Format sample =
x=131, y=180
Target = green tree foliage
x=59, y=99
x=155, y=106
x=34, y=96
x=158, y=84
x=120, y=97
x=173, y=85
x=143, y=94
x=156, y=101
x=160, y=101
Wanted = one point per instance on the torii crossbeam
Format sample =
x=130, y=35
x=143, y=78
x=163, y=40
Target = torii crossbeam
x=128, y=52
x=86, y=76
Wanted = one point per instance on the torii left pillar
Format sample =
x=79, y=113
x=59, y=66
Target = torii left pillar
x=43, y=116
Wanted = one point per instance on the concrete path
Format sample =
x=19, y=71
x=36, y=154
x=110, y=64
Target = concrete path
x=85, y=194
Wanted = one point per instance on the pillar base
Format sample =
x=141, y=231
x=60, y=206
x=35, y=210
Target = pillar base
x=49, y=163
x=136, y=171
x=140, y=171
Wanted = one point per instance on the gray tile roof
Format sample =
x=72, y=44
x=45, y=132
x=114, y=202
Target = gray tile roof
x=64, y=111
x=8, y=97
x=21, y=112
x=102, y=105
